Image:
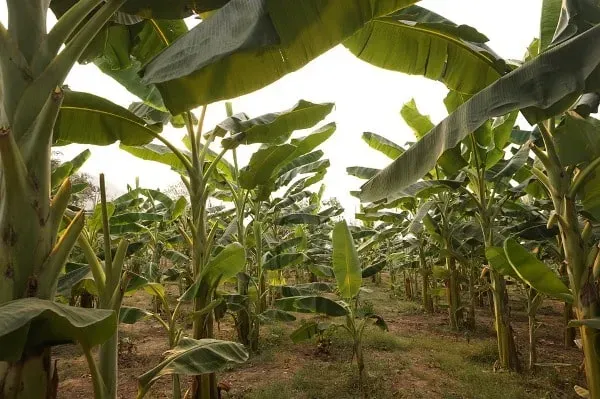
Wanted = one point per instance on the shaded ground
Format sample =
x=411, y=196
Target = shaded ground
x=418, y=358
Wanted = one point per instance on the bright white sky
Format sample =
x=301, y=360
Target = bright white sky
x=367, y=99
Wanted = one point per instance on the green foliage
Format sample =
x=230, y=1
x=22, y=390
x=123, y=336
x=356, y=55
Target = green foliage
x=193, y=357
x=21, y=320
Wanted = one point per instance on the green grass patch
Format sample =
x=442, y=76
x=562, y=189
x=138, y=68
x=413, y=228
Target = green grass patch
x=376, y=339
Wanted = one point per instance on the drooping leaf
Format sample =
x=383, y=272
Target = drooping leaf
x=511, y=167
x=417, y=41
x=558, y=74
x=577, y=139
x=276, y=315
x=307, y=330
x=225, y=265
x=534, y=272
x=346, y=264
x=193, y=357
x=280, y=261
x=33, y=323
x=157, y=153
x=275, y=37
x=305, y=289
x=67, y=281
x=88, y=119
x=300, y=161
x=311, y=304
x=499, y=262
x=373, y=269
x=131, y=315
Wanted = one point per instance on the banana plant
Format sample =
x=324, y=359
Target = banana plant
x=37, y=111
x=204, y=172
x=279, y=164
x=348, y=276
x=566, y=74
x=516, y=261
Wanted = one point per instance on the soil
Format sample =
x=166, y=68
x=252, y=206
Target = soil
x=423, y=366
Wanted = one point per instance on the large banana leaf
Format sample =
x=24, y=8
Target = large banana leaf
x=313, y=167
x=300, y=161
x=280, y=261
x=577, y=139
x=278, y=36
x=383, y=145
x=417, y=41
x=311, y=304
x=226, y=264
x=119, y=51
x=306, y=144
x=373, y=269
x=172, y=9
x=88, y=119
x=157, y=153
x=548, y=22
x=31, y=323
x=275, y=127
x=131, y=315
x=361, y=172
x=534, y=272
x=450, y=161
x=263, y=164
x=192, y=357
x=564, y=71
x=346, y=264
x=499, y=262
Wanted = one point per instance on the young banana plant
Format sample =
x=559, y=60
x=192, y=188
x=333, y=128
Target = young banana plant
x=348, y=275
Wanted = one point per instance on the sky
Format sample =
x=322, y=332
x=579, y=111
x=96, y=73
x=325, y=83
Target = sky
x=366, y=98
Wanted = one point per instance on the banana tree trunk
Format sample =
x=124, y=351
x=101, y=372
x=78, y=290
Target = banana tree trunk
x=569, y=334
x=204, y=386
x=472, y=298
x=108, y=364
x=243, y=316
x=34, y=376
x=507, y=350
x=427, y=302
x=585, y=294
x=452, y=293
x=27, y=236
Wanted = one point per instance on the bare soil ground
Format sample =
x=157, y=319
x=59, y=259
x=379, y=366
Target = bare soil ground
x=420, y=357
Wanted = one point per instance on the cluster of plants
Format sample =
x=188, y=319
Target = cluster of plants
x=473, y=203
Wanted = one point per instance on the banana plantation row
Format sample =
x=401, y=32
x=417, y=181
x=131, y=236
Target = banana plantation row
x=475, y=204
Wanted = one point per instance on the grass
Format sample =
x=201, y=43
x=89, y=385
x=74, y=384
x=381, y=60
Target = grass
x=379, y=340
x=470, y=365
